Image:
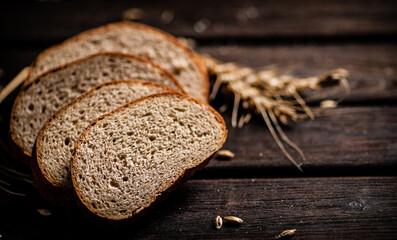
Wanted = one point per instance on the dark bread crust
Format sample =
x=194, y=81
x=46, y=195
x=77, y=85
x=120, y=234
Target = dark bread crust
x=20, y=154
x=199, y=64
x=56, y=194
x=24, y=156
x=90, y=212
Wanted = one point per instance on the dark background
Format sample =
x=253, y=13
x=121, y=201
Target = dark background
x=348, y=189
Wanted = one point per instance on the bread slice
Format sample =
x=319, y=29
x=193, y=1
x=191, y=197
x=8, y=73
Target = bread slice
x=127, y=159
x=56, y=140
x=37, y=102
x=153, y=44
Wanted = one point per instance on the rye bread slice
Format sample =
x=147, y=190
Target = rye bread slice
x=133, y=38
x=37, y=102
x=55, y=143
x=129, y=159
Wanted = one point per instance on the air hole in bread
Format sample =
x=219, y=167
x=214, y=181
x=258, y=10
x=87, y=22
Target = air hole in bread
x=43, y=109
x=95, y=41
x=125, y=179
x=67, y=141
x=180, y=109
x=152, y=137
x=31, y=107
x=122, y=156
x=114, y=183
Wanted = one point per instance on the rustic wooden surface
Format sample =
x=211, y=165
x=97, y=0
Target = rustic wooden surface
x=349, y=186
x=319, y=208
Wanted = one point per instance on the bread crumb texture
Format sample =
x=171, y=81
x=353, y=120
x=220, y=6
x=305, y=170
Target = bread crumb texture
x=127, y=159
x=54, y=90
x=58, y=138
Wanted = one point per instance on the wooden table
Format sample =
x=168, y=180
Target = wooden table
x=349, y=186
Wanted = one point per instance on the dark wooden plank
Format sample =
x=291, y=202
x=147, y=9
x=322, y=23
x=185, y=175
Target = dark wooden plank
x=351, y=141
x=372, y=66
x=319, y=208
x=56, y=20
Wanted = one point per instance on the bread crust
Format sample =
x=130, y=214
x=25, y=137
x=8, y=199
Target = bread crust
x=47, y=186
x=55, y=195
x=22, y=154
x=199, y=63
x=182, y=177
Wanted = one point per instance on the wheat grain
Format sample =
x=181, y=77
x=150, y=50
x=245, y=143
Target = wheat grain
x=218, y=222
x=233, y=219
x=287, y=233
x=225, y=154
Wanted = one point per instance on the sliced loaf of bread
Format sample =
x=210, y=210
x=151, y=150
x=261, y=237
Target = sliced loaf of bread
x=56, y=140
x=37, y=102
x=127, y=160
x=153, y=44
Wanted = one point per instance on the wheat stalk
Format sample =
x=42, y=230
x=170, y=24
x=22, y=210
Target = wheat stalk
x=273, y=94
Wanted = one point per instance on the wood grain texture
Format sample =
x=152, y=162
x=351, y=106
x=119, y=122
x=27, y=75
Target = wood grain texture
x=352, y=140
x=319, y=208
x=57, y=20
